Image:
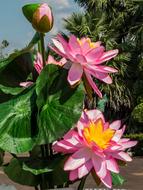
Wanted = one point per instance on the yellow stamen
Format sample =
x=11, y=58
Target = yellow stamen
x=95, y=133
x=91, y=44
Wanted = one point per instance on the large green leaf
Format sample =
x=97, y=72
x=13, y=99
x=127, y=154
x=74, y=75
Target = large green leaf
x=10, y=90
x=17, y=123
x=40, y=165
x=17, y=70
x=17, y=174
x=60, y=106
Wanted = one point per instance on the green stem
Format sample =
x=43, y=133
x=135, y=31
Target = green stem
x=43, y=49
x=82, y=182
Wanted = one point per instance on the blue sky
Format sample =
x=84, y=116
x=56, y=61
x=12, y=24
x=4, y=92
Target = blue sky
x=18, y=31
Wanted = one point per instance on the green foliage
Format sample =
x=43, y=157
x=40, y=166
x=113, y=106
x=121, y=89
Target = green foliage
x=17, y=123
x=60, y=105
x=15, y=172
x=117, y=179
x=137, y=113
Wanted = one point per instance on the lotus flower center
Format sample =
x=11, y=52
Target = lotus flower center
x=91, y=44
x=96, y=133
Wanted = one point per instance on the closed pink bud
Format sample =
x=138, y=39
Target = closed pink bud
x=42, y=19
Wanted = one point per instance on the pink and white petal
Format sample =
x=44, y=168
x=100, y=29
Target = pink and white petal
x=38, y=67
x=108, y=55
x=94, y=54
x=77, y=159
x=115, y=125
x=107, y=180
x=112, y=165
x=118, y=134
x=84, y=169
x=73, y=138
x=93, y=85
x=73, y=175
x=94, y=115
x=64, y=147
x=99, y=165
x=112, y=148
x=74, y=45
x=58, y=45
x=122, y=156
x=128, y=144
x=26, y=84
x=75, y=73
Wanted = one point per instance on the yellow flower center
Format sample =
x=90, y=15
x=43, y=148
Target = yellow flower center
x=91, y=44
x=95, y=133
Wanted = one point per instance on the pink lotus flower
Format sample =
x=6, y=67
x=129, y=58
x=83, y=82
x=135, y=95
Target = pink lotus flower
x=38, y=65
x=95, y=144
x=85, y=57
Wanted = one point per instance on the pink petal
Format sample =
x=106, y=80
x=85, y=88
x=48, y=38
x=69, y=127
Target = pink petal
x=93, y=85
x=85, y=47
x=26, y=84
x=99, y=166
x=73, y=175
x=72, y=137
x=77, y=159
x=84, y=169
x=112, y=165
x=115, y=125
x=94, y=115
x=51, y=60
x=94, y=54
x=62, y=41
x=57, y=51
x=108, y=55
x=105, y=69
x=59, y=46
x=74, y=45
x=128, y=144
x=118, y=134
x=101, y=76
x=75, y=73
x=80, y=59
x=64, y=147
x=122, y=156
x=107, y=180
x=38, y=68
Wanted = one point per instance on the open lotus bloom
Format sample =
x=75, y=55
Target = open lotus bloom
x=86, y=58
x=94, y=144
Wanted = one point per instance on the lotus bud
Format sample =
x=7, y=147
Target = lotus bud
x=40, y=16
